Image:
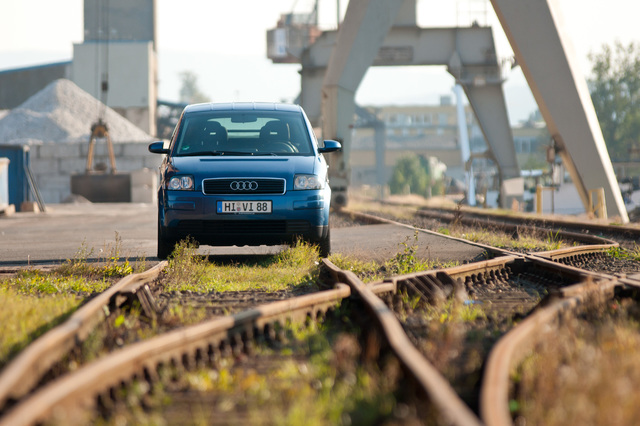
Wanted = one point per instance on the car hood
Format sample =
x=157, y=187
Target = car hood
x=222, y=166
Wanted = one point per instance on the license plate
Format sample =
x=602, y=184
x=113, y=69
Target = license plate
x=244, y=207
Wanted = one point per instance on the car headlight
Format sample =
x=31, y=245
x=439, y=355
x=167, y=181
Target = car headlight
x=180, y=183
x=307, y=182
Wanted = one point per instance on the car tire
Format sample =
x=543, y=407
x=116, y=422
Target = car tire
x=324, y=245
x=165, y=245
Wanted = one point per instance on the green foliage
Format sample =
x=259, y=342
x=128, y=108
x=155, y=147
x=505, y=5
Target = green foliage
x=615, y=92
x=410, y=171
x=38, y=283
x=112, y=267
x=293, y=267
x=622, y=253
x=25, y=316
x=553, y=240
x=315, y=377
x=406, y=261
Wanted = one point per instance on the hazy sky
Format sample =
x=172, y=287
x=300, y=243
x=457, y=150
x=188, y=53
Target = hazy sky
x=223, y=42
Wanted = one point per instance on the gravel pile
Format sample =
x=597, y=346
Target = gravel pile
x=63, y=112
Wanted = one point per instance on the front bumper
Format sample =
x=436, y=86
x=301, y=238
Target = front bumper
x=295, y=215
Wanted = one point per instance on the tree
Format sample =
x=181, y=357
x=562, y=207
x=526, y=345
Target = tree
x=189, y=92
x=615, y=92
x=409, y=171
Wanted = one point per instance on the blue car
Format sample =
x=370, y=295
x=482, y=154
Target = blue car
x=243, y=174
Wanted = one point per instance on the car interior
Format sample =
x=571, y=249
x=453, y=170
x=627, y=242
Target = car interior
x=211, y=137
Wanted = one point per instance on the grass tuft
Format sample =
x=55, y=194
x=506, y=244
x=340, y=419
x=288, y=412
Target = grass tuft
x=294, y=267
x=587, y=373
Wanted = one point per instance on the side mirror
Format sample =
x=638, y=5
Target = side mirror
x=330, y=146
x=158, y=148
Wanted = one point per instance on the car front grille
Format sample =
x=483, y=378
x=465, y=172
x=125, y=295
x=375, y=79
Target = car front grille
x=243, y=186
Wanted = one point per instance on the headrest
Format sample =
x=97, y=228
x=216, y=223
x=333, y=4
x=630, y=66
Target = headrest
x=216, y=130
x=275, y=130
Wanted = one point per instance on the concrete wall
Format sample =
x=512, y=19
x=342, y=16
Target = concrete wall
x=132, y=72
x=128, y=20
x=54, y=163
x=18, y=85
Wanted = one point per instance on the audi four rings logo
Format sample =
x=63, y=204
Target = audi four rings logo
x=243, y=185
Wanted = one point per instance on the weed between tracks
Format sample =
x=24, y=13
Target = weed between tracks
x=194, y=283
x=404, y=262
x=294, y=266
x=625, y=254
x=454, y=336
x=35, y=301
x=315, y=376
x=587, y=373
x=522, y=241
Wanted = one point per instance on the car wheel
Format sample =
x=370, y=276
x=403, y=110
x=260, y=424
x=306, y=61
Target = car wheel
x=165, y=245
x=324, y=245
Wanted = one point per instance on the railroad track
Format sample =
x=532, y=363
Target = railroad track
x=69, y=398
x=529, y=291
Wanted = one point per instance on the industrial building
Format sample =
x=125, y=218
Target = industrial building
x=117, y=65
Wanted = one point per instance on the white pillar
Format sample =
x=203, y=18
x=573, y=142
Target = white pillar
x=465, y=151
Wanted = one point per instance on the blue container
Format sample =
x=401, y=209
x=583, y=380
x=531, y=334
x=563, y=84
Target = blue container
x=18, y=156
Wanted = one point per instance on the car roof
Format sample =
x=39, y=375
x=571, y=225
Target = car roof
x=242, y=106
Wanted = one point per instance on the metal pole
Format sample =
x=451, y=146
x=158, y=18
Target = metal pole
x=465, y=151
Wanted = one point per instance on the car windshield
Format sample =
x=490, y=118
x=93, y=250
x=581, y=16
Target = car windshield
x=243, y=133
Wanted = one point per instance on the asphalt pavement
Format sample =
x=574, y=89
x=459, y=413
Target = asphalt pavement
x=97, y=231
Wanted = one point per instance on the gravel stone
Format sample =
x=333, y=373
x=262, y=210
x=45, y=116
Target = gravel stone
x=63, y=112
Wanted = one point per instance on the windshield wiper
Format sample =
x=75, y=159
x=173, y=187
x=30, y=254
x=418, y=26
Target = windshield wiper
x=215, y=153
x=200, y=153
x=235, y=153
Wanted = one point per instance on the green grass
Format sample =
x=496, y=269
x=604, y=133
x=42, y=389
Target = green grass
x=315, y=378
x=39, y=283
x=293, y=267
x=109, y=265
x=406, y=261
x=26, y=316
x=623, y=253
x=35, y=301
x=492, y=237
x=500, y=239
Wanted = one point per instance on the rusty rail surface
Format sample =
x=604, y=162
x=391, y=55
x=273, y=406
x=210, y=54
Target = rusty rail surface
x=522, y=225
x=514, y=346
x=23, y=373
x=65, y=400
x=440, y=393
x=371, y=219
x=544, y=222
x=578, y=287
x=585, y=287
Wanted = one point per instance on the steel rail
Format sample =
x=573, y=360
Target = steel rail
x=439, y=391
x=573, y=251
x=577, y=225
x=22, y=374
x=67, y=398
x=522, y=225
x=513, y=347
x=491, y=267
x=372, y=219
